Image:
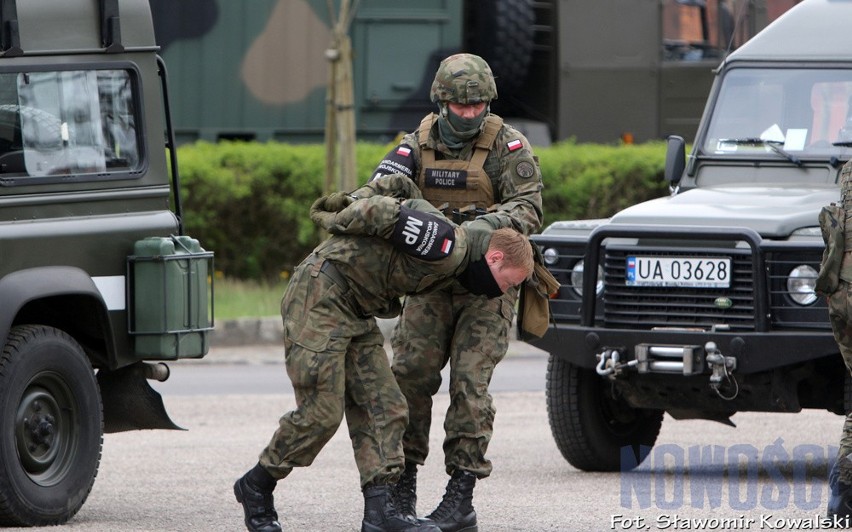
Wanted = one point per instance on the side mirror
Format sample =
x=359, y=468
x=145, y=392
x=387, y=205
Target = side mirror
x=675, y=160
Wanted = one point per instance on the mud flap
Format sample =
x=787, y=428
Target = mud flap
x=129, y=402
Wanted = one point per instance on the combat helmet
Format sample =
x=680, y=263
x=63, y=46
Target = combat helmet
x=464, y=79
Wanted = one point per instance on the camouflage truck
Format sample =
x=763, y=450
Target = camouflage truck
x=702, y=304
x=594, y=71
x=98, y=283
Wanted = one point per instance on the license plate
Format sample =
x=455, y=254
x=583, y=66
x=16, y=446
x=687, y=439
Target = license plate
x=695, y=272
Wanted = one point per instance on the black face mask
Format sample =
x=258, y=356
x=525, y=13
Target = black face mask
x=478, y=280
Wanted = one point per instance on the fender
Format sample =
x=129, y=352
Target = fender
x=19, y=288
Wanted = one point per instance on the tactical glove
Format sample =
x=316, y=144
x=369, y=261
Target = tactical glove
x=337, y=201
x=478, y=237
x=320, y=216
x=393, y=185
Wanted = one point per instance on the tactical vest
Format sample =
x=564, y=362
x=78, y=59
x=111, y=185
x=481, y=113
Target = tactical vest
x=845, y=273
x=457, y=184
x=846, y=189
x=846, y=203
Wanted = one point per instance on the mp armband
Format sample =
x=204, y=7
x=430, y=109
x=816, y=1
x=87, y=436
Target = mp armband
x=423, y=235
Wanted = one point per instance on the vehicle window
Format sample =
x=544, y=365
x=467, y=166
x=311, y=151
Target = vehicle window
x=68, y=122
x=802, y=111
x=830, y=107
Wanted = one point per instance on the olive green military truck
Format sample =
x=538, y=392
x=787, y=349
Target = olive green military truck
x=97, y=281
x=701, y=304
x=595, y=71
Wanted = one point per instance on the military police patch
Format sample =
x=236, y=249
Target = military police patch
x=525, y=169
x=442, y=178
x=423, y=235
x=397, y=161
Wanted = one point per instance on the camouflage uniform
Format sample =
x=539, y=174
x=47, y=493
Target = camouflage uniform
x=840, y=314
x=451, y=325
x=334, y=349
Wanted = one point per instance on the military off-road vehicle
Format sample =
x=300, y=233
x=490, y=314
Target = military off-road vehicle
x=96, y=277
x=701, y=304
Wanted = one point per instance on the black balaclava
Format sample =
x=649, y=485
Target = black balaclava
x=478, y=280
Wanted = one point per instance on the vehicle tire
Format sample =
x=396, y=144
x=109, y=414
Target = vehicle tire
x=592, y=427
x=51, y=427
x=503, y=35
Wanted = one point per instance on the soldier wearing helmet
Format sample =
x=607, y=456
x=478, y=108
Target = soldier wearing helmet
x=471, y=165
x=465, y=84
x=386, y=244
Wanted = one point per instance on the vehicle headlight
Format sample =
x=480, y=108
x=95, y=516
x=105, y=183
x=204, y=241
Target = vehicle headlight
x=577, y=279
x=551, y=256
x=801, y=283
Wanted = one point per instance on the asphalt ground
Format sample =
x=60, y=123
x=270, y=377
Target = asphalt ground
x=269, y=330
x=769, y=473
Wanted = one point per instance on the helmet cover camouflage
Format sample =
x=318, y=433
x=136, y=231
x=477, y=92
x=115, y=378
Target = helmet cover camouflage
x=464, y=79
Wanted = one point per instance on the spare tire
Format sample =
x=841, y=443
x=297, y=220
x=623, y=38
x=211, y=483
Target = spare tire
x=502, y=33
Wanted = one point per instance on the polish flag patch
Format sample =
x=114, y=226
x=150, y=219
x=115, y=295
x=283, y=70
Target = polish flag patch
x=515, y=145
x=446, y=246
x=402, y=150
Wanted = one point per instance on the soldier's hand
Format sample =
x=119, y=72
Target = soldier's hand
x=337, y=201
x=320, y=215
x=478, y=236
x=334, y=202
x=323, y=219
x=480, y=223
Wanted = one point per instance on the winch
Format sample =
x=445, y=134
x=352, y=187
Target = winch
x=680, y=359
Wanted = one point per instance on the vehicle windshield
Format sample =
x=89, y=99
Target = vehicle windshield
x=787, y=113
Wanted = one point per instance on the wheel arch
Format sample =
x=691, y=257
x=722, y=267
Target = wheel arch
x=63, y=297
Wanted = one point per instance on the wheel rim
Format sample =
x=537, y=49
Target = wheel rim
x=621, y=419
x=45, y=429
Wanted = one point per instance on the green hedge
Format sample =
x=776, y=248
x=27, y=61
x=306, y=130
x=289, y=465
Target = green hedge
x=249, y=202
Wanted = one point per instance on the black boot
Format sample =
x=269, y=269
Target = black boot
x=456, y=513
x=381, y=513
x=406, y=490
x=254, y=491
x=840, y=498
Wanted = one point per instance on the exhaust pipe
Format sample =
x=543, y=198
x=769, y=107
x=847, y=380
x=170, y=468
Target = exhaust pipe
x=155, y=372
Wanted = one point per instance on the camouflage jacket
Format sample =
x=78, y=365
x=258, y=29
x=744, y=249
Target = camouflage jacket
x=834, y=221
x=511, y=165
x=381, y=270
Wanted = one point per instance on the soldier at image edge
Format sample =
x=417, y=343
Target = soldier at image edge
x=835, y=283
x=472, y=166
x=384, y=246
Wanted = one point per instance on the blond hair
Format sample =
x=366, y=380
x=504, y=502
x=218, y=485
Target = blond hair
x=516, y=248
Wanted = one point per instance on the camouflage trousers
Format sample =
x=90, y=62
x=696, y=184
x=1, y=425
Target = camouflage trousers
x=840, y=314
x=338, y=366
x=471, y=334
